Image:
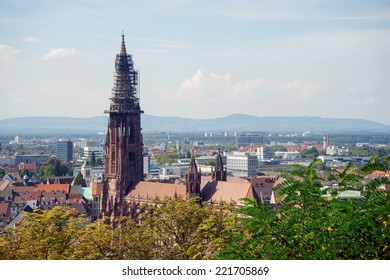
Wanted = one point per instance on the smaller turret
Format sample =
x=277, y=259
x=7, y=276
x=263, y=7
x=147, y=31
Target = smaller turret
x=193, y=178
x=219, y=172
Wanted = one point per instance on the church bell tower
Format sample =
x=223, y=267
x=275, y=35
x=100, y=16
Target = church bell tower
x=123, y=148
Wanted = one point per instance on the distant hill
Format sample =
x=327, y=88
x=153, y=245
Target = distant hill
x=236, y=122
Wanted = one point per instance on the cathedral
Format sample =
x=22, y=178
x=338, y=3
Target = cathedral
x=123, y=188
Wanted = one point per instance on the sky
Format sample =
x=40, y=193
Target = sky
x=198, y=58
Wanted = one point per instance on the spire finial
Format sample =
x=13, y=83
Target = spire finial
x=123, y=46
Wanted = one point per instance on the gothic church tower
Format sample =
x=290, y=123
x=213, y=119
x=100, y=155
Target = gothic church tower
x=193, y=178
x=123, y=149
x=219, y=172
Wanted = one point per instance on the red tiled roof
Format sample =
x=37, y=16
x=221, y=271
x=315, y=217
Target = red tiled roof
x=52, y=187
x=4, y=184
x=19, y=200
x=149, y=190
x=35, y=195
x=73, y=198
x=23, y=189
x=215, y=191
x=4, y=209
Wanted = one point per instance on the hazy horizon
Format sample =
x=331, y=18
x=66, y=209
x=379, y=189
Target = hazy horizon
x=171, y=116
x=198, y=59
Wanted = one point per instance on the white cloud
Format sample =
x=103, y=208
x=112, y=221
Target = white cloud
x=303, y=91
x=59, y=53
x=30, y=39
x=203, y=86
x=250, y=89
x=7, y=52
x=207, y=86
x=363, y=95
x=358, y=89
x=365, y=101
x=7, y=58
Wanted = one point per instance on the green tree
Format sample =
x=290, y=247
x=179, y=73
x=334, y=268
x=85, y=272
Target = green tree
x=254, y=239
x=349, y=178
x=2, y=172
x=79, y=180
x=173, y=222
x=166, y=158
x=310, y=153
x=93, y=159
x=308, y=226
x=184, y=229
x=132, y=241
x=93, y=242
x=364, y=151
x=279, y=148
x=25, y=172
x=99, y=162
x=210, y=162
x=53, y=167
x=214, y=231
x=42, y=235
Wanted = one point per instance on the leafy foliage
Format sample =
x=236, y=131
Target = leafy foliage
x=170, y=229
x=167, y=158
x=93, y=159
x=309, y=226
x=53, y=167
x=310, y=153
x=42, y=235
x=183, y=229
x=79, y=180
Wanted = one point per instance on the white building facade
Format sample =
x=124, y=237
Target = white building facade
x=242, y=164
x=265, y=153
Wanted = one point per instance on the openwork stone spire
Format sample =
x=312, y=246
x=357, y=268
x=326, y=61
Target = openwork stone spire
x=123, y=46
x=219, y=172
x=193, y=178
x=125, y=92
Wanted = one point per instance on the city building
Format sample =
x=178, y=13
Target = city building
x=98, y=151
x=204, y=160
x=242, y=164
x=7, y=160
x=288, y=155
x=175, y=169
x=248, y=139
x=64, y=150
x=31, y=158
x=265, y=153
x=18, y=139
x=97, y=189
x=336, y=151
x=86, y=143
